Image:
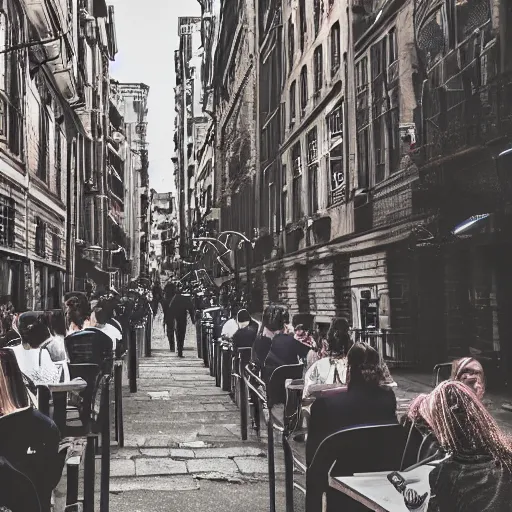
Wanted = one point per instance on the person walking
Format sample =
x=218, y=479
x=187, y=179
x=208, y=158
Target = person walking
x=176, y=319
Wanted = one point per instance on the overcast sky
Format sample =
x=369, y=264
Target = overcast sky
x=147, y=35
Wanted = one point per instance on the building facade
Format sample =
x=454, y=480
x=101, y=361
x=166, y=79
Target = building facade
x=380, y=190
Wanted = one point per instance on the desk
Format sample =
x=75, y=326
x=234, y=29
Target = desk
x=376, y=492
x=60, y=392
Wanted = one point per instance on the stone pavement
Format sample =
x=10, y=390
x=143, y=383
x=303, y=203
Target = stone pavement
x=182, y=442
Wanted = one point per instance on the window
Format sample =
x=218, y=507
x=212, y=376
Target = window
x=11, y=81
x=291, y=43
x=337, y=192
x=40, y=238
x=56, y=247
x=297, y=182
x=335, y=122
x=303, y=89
x=363, y=152
x=319, y=70
x=335, y=48
x=393, y=50
x=362, y=74
x=318, y=9
x=7, y=217
x=284, y=196
x=293, y=103
x=312, y=145
x=44, y=129
x=58, y=160
x=271, y=200
x=303, y=28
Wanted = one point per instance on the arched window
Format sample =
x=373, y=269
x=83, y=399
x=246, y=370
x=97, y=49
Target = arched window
x=303, y=89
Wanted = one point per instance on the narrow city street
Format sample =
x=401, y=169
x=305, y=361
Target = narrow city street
x=183, y=442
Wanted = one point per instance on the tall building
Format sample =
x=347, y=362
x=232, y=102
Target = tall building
x=51, y=120
x=137, y=214
x=190, y=123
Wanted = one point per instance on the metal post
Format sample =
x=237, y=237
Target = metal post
x=105, y=450
x=271, y=464
x=243, y=400
x=248, y=258
x=72, y=474
x=118, y=393
x=149, y=333
x=132, y=360
x=89, y=474
x=288, y=473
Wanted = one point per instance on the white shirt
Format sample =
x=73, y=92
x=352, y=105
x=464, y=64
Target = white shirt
x=229, y=328
x=113, y=333
x=325, y=371
x=37, y=365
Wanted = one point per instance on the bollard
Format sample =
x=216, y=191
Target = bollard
x=140, y=338
x=118, y=395
x=226, y=369
x=132, y=361
x=243, y=400
x=149, y=333
x=89, y=474
x=105, y=451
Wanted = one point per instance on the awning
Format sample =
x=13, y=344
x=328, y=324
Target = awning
x=100, y=9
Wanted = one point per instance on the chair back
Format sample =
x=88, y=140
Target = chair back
x=22, y=495
x=276, y=388
x=441, y=373
x=90, y=346
x=361, y=449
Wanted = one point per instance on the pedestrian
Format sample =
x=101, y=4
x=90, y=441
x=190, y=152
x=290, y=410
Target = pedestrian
x=476, y=476
x=157, y=297
x=176, y=319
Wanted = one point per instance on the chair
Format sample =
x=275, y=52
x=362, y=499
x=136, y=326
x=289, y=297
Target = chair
x=360, y=449
x=90, y=355
x=441, y=373
x=276, y=395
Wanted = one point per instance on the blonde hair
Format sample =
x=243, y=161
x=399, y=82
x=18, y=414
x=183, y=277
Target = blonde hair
x=13, y=393
x=462, y=425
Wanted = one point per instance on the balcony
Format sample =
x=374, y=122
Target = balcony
x=49, y=19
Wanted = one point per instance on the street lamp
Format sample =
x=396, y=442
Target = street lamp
x=220, y=256
x=249, y=246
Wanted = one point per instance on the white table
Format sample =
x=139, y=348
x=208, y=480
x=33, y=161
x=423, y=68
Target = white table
x=376, y=492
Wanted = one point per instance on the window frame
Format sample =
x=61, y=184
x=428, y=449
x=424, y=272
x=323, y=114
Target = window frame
x=318, y=70
x=303, y=93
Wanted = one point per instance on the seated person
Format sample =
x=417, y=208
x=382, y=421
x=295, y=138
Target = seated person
x=230, y=327
x=330, y=370
x=77, y=311
x=366, y=401
x=469, y=371
x=247, y=330
x=102, y=311
x=33, y=359
x=29, y=440
x=283, y=349
x=477, y=477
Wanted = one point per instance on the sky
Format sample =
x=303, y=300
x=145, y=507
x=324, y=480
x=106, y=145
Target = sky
x=147, y=35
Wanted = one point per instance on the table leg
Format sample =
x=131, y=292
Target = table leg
x=60, y=402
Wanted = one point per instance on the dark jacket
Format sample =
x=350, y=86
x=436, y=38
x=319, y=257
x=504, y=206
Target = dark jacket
x=244, y=338
x=360, y=405
x=470, y=484
x=29, y=429
x=17, y=492
x=178, y=309
x=284, y=350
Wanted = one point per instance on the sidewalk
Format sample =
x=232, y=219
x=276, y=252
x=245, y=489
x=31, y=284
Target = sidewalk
x=183, y=442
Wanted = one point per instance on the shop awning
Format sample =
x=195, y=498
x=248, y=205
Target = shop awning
x=87, y=269
x=473, y=222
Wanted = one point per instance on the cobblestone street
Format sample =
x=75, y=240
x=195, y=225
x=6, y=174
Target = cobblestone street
x=183, y=442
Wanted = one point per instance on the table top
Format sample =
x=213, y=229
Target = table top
x=73, y=385
x=376, y=492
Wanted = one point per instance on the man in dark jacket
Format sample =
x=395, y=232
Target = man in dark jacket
x=176, y=319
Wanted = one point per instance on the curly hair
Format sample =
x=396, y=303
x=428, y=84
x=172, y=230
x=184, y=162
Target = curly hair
x=338, y=337
x=462, y=424
x=275, y=317
x=77, y=310
x=364, y=366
